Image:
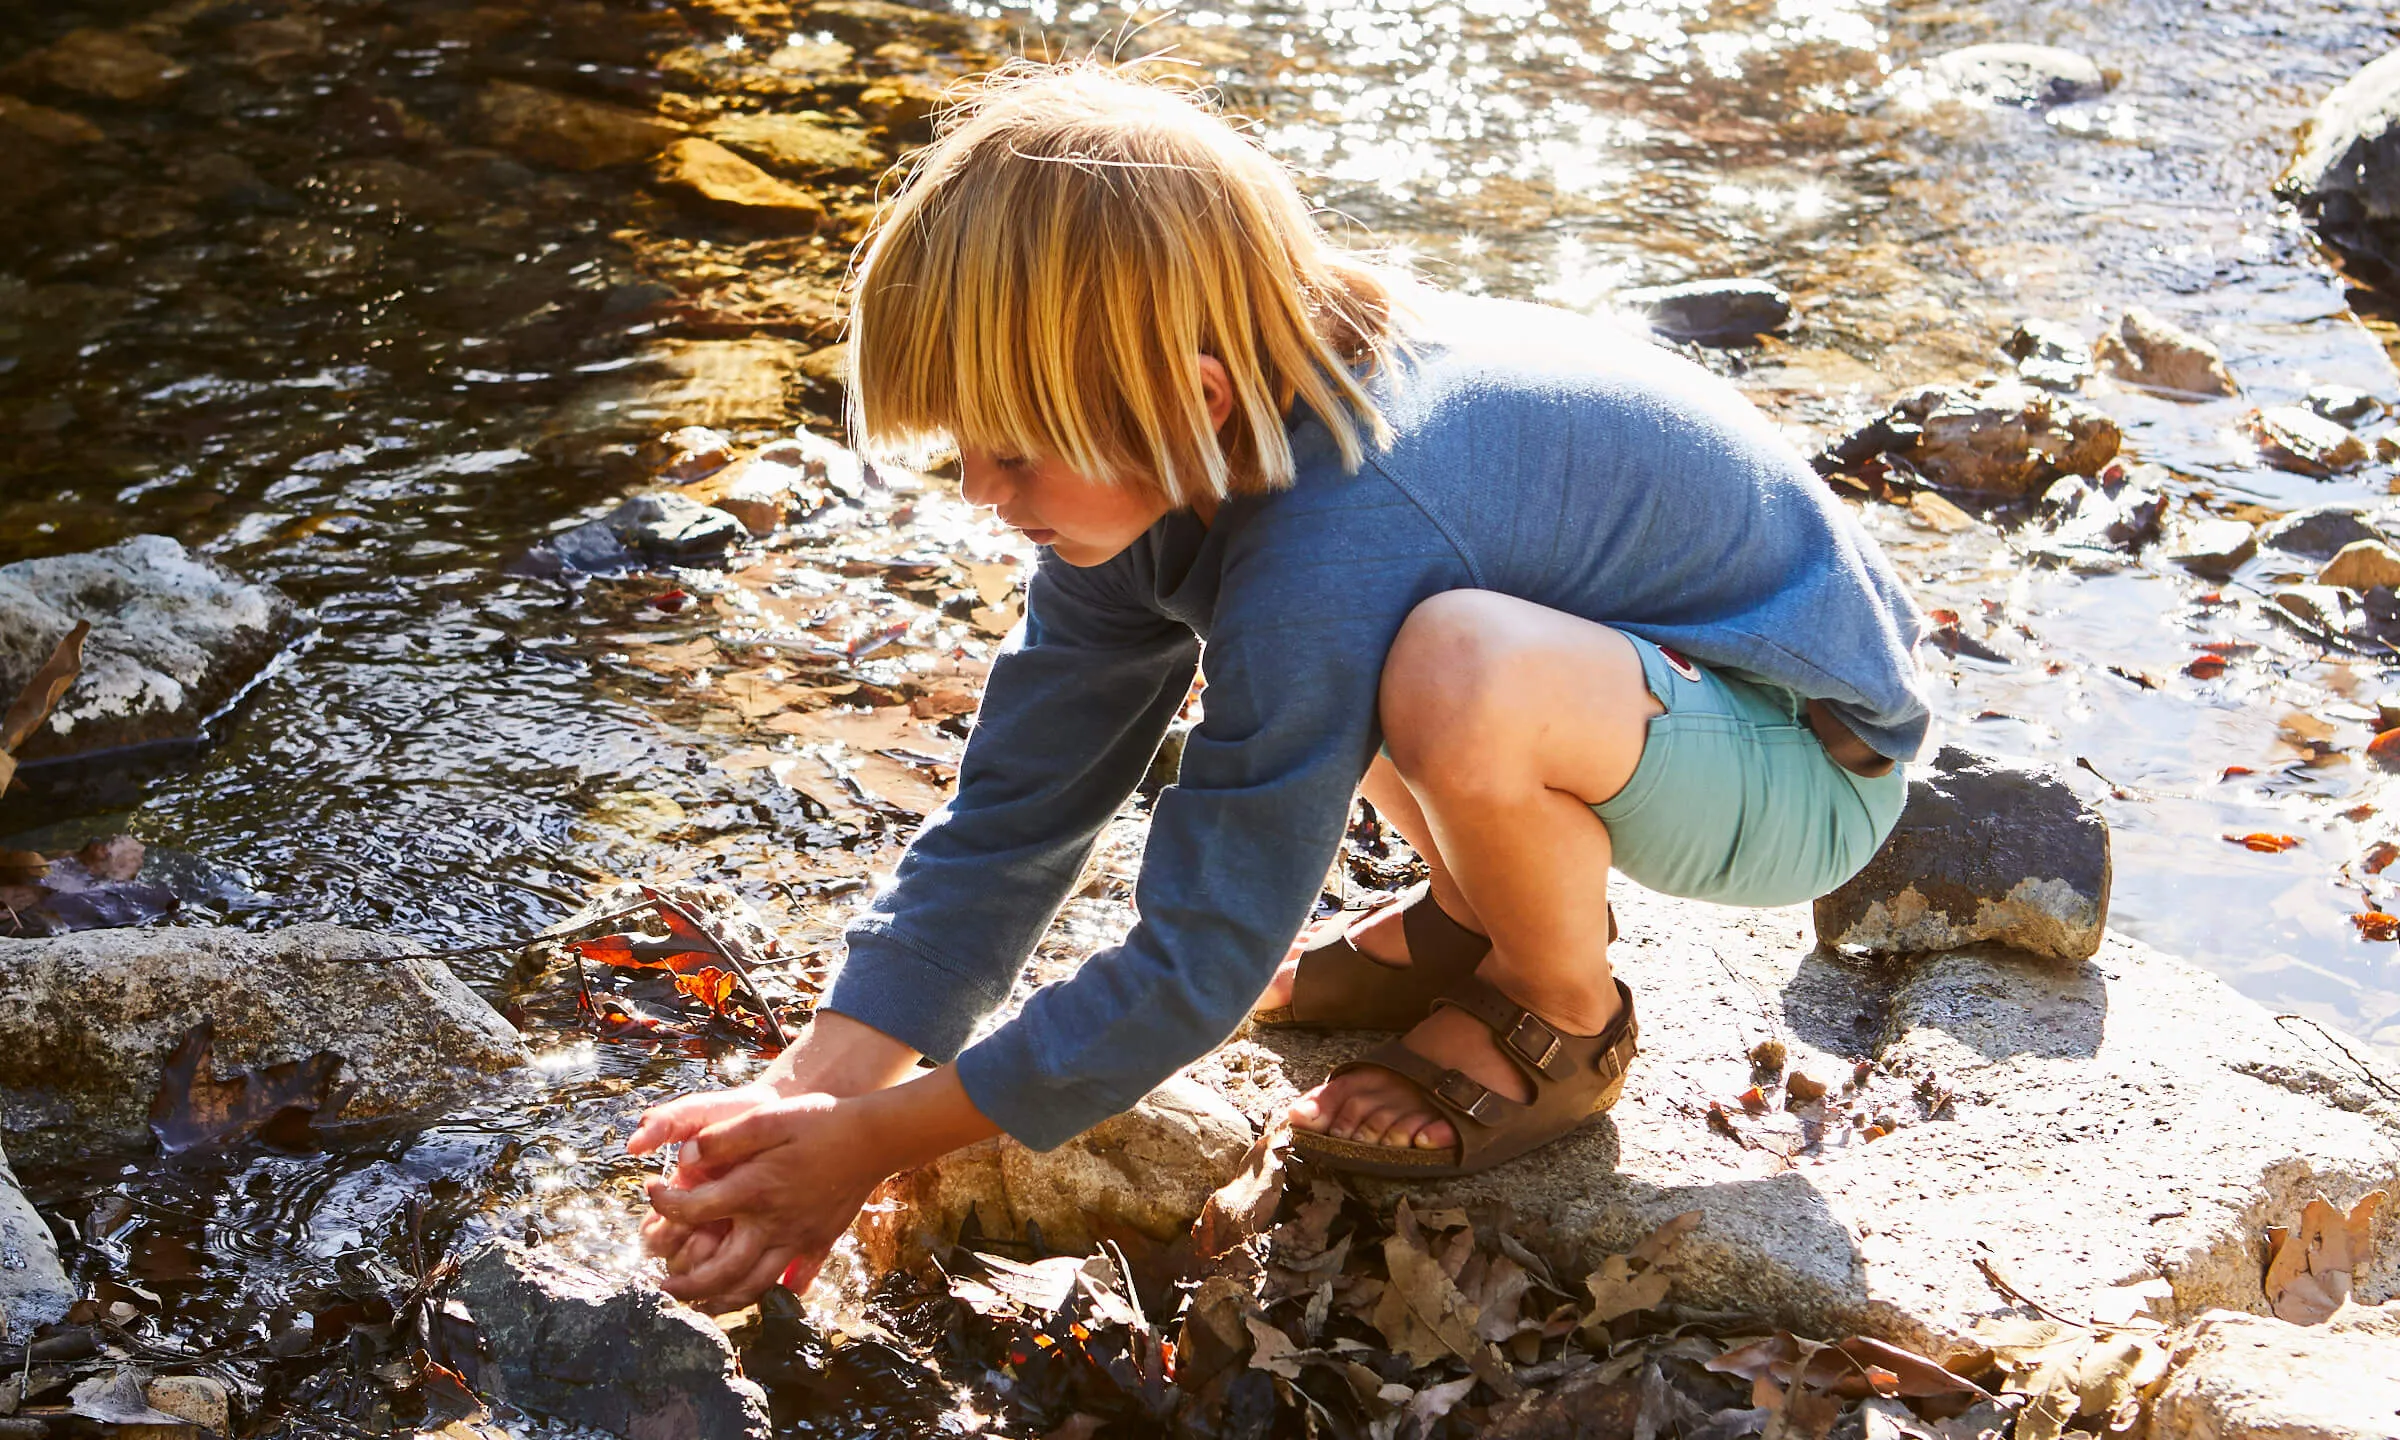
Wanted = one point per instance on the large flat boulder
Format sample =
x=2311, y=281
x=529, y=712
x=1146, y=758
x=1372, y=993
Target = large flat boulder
x=174, y=637
x=2077, y=1127
x=2250, y=1377
x=88, y=1023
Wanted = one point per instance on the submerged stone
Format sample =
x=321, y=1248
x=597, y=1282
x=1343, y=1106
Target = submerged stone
x=2144, y=350
x=105, y=64
x=2215, y=548
x=648, y=530
x=796, y=145
x=2290, y=438
x=2049, y=354
x=34, y=1289
x=1984, y=850
x=174, y=638
x=2319, y=533
x=2342, y=404
x=566, y=130
x=708, y=171
x=609, y=1353
x=2016, y=74
x=1712, y=311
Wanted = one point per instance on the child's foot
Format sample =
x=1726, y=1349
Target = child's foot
x=1374, y=1106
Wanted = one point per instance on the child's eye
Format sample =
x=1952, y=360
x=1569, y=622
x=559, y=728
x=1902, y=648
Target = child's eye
x=1015, y=462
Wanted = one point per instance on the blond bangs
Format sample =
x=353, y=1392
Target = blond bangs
x=1055, y=263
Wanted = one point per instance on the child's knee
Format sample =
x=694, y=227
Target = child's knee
x=1447, y=680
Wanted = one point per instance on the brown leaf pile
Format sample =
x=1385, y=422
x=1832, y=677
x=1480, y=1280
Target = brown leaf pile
x=1295, y=1308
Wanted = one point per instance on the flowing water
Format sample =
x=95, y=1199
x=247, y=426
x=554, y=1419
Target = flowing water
x=293, y=315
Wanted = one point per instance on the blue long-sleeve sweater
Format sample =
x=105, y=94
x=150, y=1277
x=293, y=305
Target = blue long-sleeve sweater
x=1536, y=453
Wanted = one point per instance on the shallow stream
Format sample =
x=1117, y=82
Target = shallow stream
x=294, y=315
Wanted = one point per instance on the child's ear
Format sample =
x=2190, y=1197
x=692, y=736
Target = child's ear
x=1216, y=391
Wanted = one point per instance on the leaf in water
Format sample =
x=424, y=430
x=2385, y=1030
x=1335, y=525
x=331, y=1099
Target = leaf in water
x=195, y=1106
x=2380, y=856
x=2265, y=843
x=2309, y=1274
x=2377, y=925
x=710, y=987
x=629, y=952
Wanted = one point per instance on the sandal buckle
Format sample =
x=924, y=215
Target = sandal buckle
x=1543, y=1045
x=1454, y=1090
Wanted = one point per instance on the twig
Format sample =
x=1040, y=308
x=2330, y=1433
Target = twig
x=2330, y=1038
x=724, y=945
x=525, y=942
x=2009, y=1291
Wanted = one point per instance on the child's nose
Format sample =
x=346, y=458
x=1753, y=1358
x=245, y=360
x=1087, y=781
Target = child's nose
x=983, y=483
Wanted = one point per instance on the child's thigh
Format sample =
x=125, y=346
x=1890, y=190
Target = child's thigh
x=1736, y=801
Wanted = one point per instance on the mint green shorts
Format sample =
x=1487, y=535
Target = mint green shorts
x=1735, y=800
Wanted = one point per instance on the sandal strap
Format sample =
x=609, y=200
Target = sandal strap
x=1340, y=984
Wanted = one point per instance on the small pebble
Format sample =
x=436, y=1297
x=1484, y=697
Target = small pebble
x=1802, y=1088
x=1768, y=1055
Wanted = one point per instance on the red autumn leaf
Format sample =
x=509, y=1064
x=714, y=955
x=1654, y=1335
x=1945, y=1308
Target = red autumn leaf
x=615, y=1020
x=2380, y=856
x=2264, y=843
x=2383, y=751
x=2206, y=667
x=628, y=953
x=2232, y=770
x=2375, y=925
x=671, y=601
x=710, y=987
x=2357, y=813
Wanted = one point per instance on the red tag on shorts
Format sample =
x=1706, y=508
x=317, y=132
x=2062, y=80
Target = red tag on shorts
x=1679, y=665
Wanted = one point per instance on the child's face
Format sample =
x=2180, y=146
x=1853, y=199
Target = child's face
x=1085, y=521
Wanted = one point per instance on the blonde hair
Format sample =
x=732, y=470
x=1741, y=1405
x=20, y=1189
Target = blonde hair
x=1053, y=266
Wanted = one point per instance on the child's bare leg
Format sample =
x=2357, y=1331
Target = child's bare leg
x=1507, y=722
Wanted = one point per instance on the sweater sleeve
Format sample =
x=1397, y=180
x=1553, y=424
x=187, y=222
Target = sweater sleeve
x=1240, y=844
x=1076, y=705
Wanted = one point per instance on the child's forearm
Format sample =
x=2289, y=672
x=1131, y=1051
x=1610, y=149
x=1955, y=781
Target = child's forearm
x=918, y=1122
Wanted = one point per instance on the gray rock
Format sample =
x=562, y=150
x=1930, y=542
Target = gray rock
x=2319, y=534
x=2342, y=404
x=616, y=1355
x=1984, y=850
x=2002, y=437
x=2250, y=1377
x=1148, y=1170
x=2118, y=513
x=87, y=1022
x=648, y=530
x=2325, y=607
x=33, y=1286
x=174, y=638
x=2294, y=439
x=2049, y=354
x=1718, y=312
x=2013, y=74
x=2346, y=179
x=2215, y=548
x=2076, y=1126
x=2152, y=353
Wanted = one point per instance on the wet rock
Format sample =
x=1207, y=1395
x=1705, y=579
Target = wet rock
x=2049, y=354
x=2251, y=1377
x=2341, y=404
x=225, y=181
x=708, y=170
x=2000, y=437
x=34, y=1289
x=793, y=71
x=105, y=64
x=2074, y=1125
x=2345, y=182
x=2215, y=548
x=903, y=105
x=566, y=130
x=648, y=530
x=796, y=145
x=1984, y=850
x=2319, y=533
x=383, y=185
x=694, y=452
x=277, y=50
x=2144, y=350
x=40, y=123
x=2290, y=438
x=2013, y=74
x=193, y=1399
x=1712, y=312
x=612, y=1354
x=2362, y=565
x=87, y=1022
x=1147, y=1171
x=173, y=639
x=2321, y=606
x=2114, y=512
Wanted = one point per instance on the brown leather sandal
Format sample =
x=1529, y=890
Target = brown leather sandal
x=1574, y=1077
x=1341, y=987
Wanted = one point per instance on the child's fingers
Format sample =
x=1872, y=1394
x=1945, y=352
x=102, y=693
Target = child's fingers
x=729, y=1142
x=680, y=1119
x=717, y=1200
x=738, y=1256
x=739, y=1292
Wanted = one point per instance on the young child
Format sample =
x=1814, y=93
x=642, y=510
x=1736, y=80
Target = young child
x=1553, y=599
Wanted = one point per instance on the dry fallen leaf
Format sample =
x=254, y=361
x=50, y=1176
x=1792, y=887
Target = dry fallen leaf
x=2309, y=1271
x=1638, y=1279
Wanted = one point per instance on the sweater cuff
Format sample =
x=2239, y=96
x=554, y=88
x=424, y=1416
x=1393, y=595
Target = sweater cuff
x=1001, y=1074
x=887, y=982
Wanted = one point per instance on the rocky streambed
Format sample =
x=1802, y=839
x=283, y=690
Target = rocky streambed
x=404, y=314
